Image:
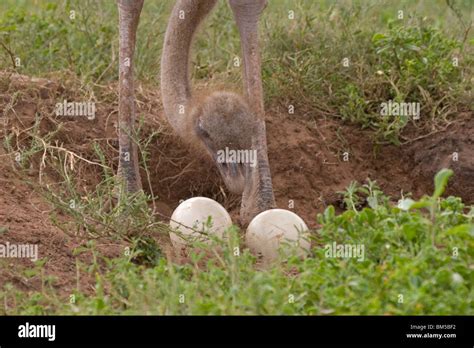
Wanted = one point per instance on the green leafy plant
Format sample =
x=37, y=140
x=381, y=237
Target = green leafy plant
x=399, y=259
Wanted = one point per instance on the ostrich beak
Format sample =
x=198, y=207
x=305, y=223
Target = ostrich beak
x=234, y=175
x=232, y=170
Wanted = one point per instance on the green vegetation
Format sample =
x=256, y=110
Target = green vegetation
x=417, y=259
x=407, y=59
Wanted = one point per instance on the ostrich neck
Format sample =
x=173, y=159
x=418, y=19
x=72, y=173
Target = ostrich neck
x=175, y=85
x=258, y=194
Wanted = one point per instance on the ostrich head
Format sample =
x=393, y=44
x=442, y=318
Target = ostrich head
x=227, y=129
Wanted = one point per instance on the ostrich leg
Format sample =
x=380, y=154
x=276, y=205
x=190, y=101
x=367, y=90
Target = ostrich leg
x=259, y=191
x=128, y=170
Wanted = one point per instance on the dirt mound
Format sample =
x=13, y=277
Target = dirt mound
x=311, y=158
x=452, y=148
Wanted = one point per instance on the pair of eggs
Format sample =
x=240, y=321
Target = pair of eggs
x=268, y=235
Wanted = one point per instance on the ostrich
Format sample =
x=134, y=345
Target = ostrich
x=214, y=122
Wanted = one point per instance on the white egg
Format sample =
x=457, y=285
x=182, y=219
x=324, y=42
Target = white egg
x=192, y=217
x=277, y=230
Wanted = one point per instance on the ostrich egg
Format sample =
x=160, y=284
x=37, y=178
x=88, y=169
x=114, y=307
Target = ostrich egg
x=196, y=217
x=277, y=230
